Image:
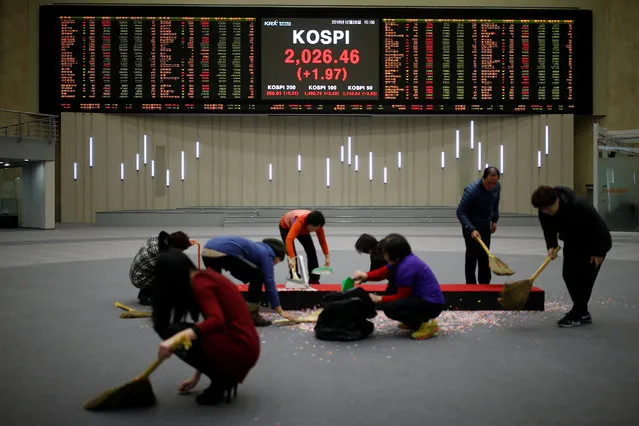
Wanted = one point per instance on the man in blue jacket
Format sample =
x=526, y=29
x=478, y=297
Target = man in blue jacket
x=478, y=213
x=250, y=262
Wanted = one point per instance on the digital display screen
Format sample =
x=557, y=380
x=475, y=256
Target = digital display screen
x=480, y=65
x=263, y=60
x=336, y=59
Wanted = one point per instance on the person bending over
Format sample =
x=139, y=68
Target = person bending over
x=478, y=213
x=141, y=272
x=299, y=224
x=368, y=244
x=586, y=239
x=252, y=263
x=419, y=299
x=226, y=345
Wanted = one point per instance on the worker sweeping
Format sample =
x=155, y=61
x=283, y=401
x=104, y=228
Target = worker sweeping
x=419, y=299
x=299, y=224
x=478, y=213
x=225, y=344
x=587, y=240
x=250, y=262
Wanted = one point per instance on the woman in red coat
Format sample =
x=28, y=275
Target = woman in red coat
x=226, y=345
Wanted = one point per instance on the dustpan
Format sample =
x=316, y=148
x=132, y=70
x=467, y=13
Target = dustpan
x=496, y=265
x=296, y=282
x=322, y=270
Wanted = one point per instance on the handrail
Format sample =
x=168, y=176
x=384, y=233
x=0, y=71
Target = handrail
x=26, y=112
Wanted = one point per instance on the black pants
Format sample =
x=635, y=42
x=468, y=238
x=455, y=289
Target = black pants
x=242, y=270
x=476, y=257
x=412, y=311
x=311, y=254
x=195, y=356
x=579, y=275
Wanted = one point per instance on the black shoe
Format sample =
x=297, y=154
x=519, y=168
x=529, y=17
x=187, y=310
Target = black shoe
x=570, y=320
x=214, y=394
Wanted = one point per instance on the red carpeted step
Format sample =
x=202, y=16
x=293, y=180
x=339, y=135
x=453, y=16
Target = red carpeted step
x=491, y=288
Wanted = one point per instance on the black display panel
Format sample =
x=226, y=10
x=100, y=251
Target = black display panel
x=183, y=59
x=321, y=58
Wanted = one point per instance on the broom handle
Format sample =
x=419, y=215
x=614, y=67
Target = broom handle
x=151, y=368
x=123, y=307
x=543, y=265
x=484, y=246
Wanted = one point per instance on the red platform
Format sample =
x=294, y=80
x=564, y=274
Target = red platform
x=463, y=297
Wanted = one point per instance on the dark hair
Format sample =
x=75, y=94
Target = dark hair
x=544, y=196
x=173, y=296
x=491, y=171
x=277, y=246
x=179, y=240
x=396, y=247
x=366, y=243
x=315, y=218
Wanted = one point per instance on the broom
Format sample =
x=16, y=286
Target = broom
x=132, y=313
x=495, y=264
x=136, y=393
x=312, y=317
x=515, y=295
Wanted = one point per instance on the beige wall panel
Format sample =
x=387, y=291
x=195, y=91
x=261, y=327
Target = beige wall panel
x=565, y=145
x=262, y=186
x=114, y=154
x=378, y=136
x=536, y=175
x=174, y=147
x=435, y=173
x=305, y=178
x=204, y=165
x=100, y=171
x=417, y=160
x=190, y=192
x=450, y=184
x=87, y=207
x=392, y=142
x=509, y=179
x=525, y=161
x=131, y=146
x=67, y=157
x=160, y=138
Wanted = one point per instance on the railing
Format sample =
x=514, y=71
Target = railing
x=22, y=124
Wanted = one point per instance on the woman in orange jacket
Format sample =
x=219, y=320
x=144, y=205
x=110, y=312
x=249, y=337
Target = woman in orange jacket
x=299, y=224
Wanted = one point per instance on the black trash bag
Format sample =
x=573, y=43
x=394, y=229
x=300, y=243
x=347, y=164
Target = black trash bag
x=345, y=316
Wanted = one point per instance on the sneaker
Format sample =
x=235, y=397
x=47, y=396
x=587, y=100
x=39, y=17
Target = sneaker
x=426, y=330
x=570, y=320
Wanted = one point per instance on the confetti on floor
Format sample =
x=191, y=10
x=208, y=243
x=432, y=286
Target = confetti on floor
x=450, y=322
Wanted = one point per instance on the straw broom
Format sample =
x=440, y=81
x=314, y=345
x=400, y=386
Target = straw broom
x=515, y=295
x=495, y=264
x=136, y=393
x=132, y=313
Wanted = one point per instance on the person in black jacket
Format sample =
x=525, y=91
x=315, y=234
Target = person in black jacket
x=478, y=213
x=368, y=244
x=586, y=240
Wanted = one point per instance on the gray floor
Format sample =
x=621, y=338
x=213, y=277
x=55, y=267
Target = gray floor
x=63, y=343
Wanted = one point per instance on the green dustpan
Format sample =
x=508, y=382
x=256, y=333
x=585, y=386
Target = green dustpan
x=322, y=270
x=347, y=284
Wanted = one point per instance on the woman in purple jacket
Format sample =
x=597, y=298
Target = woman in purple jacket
x=419, y=299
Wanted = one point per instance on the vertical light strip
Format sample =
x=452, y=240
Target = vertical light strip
x=197, y=149
x=341, y=153
x=443, y=159
x=137, y=162
x=349, y=150
x=539, y=159
x=501, y=159
x=152, y=168
x=144, y=150
x=121, y=171
x=328, y=172
x=472, y=135
x=75, y=171
x=547, y=141
x=270, y=172
x=385, y=175
x=479, y=156
x=356, y=162
x=168, y=178
x=299, y=162
x=370, y=166
x=457, y=143
x=90, y=151
x=399, y=160
x=183, y=166
x=634, y=177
